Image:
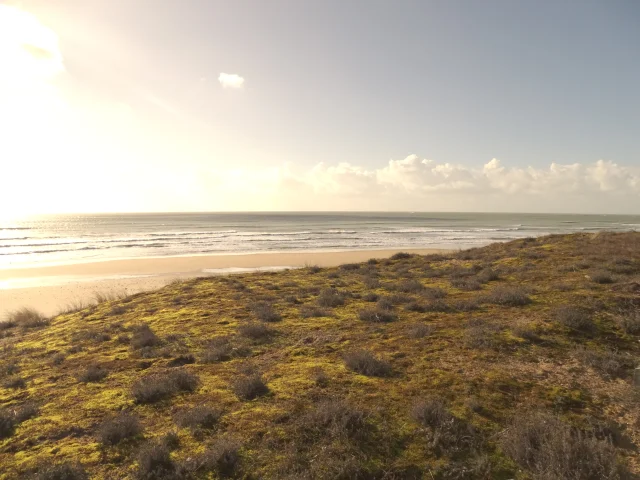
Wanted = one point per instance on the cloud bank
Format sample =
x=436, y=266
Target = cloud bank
x=231, y=80
x=419, y=184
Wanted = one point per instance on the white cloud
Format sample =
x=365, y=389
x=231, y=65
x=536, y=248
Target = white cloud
x=417, y=184
x=231, y=80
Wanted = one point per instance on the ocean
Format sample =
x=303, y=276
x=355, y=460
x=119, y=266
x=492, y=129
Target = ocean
x=62, y=239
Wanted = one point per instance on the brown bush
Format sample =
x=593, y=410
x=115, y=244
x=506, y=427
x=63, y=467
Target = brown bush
x=376, y=315
x=575, y=318
x=93, y=373
x=467, y=284
x=333, y=418
x=400, y=256
x=601, y=276
x=312, y=311
x=158, y=386
x=222, y=457
x=255, y=331
x=154, y=463
x=446, y=434
x=118, y=428
x=420, y=330
x=218, y=350
x=249, y=387
x=143, y=337
x=365, y=363
x=200, y=416
x=264, y=311
x=409, y=286
x=49, y=470
x=25, y=318
x=509, y=296
x=330, y=297
x=549, y=449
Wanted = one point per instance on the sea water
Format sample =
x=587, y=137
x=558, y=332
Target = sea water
x=61, y=239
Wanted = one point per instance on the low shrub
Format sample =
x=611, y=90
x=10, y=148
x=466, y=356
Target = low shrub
x=14, y=381
x=143, y=337
x=433, y=293
x=49, y=470
x=376, y=315
x=249, y=387
x=409, y=286
x=436, y=306
x=608, y=362
x=312, y=311
x=487, y=275
x=350, y=266
x=93, y=373
x=200, y=416
x=222, y=457
x=11, y=417
x=158, y=386
x=365, y=363
x=118, y=428
x=601, y=276
x=527, y=332
x=482, y=335
x=335, y=419
x=419, y=330
x=371, y=282
x=467, y=284
x=509, y=296
x=25, y=318
x=154, y=463
x=182, y=360
x=255, y=331
x=629, y=321
x=446, y=434
x=575, y=318
x=550, y=449
x=330, y=297
x=370, y=297
x=400, y=256
x=384, y=303
x=218, y=350
x=264, y=311
x=320, y=377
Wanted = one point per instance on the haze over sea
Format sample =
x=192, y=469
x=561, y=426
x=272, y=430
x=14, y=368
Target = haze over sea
x=63, y=239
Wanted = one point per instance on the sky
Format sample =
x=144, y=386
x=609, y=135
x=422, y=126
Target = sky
x=210, y=105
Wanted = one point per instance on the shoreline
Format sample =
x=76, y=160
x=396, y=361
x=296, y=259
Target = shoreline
x=50, y=288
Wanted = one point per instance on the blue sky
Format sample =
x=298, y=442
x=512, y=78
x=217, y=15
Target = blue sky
x=531, y=84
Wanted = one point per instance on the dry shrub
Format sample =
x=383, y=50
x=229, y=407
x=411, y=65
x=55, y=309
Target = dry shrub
x=264, y=311
x=575, y=318
x=24, y=317
x=371, y=282
x=468, y=305
x=181, y=360
x=433, y=293
x=200, y=416
x=482, y=335
x=14, y=381
x=400, y=256
x=437, y=306
x=467, y=284
x=509, y=296
x=487, y=275
x=629, y=321
x=335, y=419
x=330, y=297
x=420, y=330
x=608, y=362
x=526, y=331
x=118, y=428
x=601, y=276
x=158, y=386
x=255, y=331
x=365, y=363
x=143, y=337
x=249, y=387
x=350, y=266
x=313, y=311
x=222, y=457
x=550, y=449
x=154, y=463
x=48, y=470
x=11, y=417
x=376, y=315
x=370, y=297
x=93, y=373
x=446, y=434
x=410, y=286
x=219, y=349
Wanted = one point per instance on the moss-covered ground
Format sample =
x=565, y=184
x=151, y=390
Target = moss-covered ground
x=535, y=325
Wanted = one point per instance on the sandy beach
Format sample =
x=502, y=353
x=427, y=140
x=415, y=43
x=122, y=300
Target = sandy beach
x=51, y=288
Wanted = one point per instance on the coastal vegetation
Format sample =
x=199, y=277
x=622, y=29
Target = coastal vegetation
x=511, y=361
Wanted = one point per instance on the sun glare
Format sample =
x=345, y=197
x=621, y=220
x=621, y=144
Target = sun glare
x=28, y=49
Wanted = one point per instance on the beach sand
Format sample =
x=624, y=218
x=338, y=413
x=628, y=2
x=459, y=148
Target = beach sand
x=51, y=288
